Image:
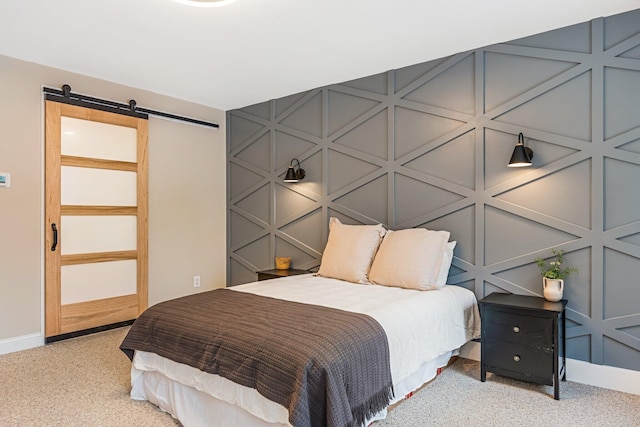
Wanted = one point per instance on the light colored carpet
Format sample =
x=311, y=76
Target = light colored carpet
x=85, y=382
x=457, y=397
x=77, y=382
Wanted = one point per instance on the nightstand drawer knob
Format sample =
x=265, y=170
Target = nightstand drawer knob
x=516, y=358
x=516, y=329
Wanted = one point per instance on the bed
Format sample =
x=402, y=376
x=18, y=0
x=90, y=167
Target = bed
x=394, y=333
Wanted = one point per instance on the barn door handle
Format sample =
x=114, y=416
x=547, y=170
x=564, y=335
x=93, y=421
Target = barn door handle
x=55, y=237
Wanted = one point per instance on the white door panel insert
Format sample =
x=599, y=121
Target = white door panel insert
x=90, y=234
x=84, y=138
x=88, y=282
x=97, y=187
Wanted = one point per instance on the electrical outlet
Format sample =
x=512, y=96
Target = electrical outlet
x=196, y=281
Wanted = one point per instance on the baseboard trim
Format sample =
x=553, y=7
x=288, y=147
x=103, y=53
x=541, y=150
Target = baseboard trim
x=24, y=342
x=610, y=377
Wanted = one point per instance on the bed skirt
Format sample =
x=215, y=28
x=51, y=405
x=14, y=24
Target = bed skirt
x=198, y=399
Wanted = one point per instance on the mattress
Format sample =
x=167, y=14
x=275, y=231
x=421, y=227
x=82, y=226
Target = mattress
x=423, y=330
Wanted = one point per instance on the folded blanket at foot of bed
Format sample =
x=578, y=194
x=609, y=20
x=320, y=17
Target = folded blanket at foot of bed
x=329, y=367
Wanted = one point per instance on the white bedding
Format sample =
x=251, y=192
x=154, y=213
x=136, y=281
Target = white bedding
x=422, y=327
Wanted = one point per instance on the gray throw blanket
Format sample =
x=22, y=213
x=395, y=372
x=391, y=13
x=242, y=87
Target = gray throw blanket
x=328, y=367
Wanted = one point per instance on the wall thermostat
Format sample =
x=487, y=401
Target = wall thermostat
x=5, y=179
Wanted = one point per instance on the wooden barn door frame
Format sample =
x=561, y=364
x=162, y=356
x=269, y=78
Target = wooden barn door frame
x=61, y=320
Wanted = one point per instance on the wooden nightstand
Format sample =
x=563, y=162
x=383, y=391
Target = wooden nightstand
x=275, y=273
x=521, y=339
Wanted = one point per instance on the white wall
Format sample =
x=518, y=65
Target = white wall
x=187, y=219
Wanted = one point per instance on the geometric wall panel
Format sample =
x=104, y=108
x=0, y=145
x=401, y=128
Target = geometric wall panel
x=344, y=218
x=257, y=253
x=370, y=137
x=240, y=273
x=524, y=236
x=374, y=84
x=575, y=38
x=289, y=203
x=307, y=118
x=370, y=198
x=453, y=90
x=621, y=295
x=307, y=229
x=542, y=112
x=631, y=146
x=469, y=284
x=351, y=170
x=403, y=77
x=621, y=101
x=288, y=147
x=242, y=130
x=259, y=149
x=415, y=128
x=283, y=104
x=578, y=287
x=633, y=53
x=547, y=152
x=461, y=225
x=633, y=239
x=243, y=228
x=311, y=186
x=549, y=195
x=427, y=146
x=579, y=347
x=346, y=108
x=257, y=204
x=243, y=179
x=453, y=161
x=507, y=76
x=524, y=279
x=415, y=198
x=621, y=192
x=259, y=110
x=618, y=354
x=619, y=28
x=499, y=146
x=634, y=331
x=283, y=248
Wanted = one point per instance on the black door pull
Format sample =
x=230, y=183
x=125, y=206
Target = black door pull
x=55, y=237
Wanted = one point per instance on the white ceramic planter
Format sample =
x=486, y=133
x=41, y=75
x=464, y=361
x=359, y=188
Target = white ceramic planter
x=552, y=289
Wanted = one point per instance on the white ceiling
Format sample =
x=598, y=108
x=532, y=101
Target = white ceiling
x=254, y=50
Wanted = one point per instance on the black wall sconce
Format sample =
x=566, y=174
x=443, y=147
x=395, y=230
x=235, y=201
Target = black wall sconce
x=521, y=155
x=294, y=175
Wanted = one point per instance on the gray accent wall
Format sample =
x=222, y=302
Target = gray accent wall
x=428, y=146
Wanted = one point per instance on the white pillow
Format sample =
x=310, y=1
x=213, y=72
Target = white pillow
x=447, y=259
x=410, y=259
x=349, y=251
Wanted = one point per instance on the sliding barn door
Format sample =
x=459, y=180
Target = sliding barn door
x=96, y=218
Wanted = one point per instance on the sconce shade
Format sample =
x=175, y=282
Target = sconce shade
x=291, y=175
x=521, y=155
x=294, y=175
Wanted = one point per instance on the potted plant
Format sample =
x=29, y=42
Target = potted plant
x=553, y=275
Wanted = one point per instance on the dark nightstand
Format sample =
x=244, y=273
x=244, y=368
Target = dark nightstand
x=275, y=273
x=521, y=339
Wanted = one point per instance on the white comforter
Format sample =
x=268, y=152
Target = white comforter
x=420, y=327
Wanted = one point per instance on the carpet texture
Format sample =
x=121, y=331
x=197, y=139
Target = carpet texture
x=85, y=382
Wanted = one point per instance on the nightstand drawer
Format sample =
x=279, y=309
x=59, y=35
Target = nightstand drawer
x=518, y=328
x=520, y=358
